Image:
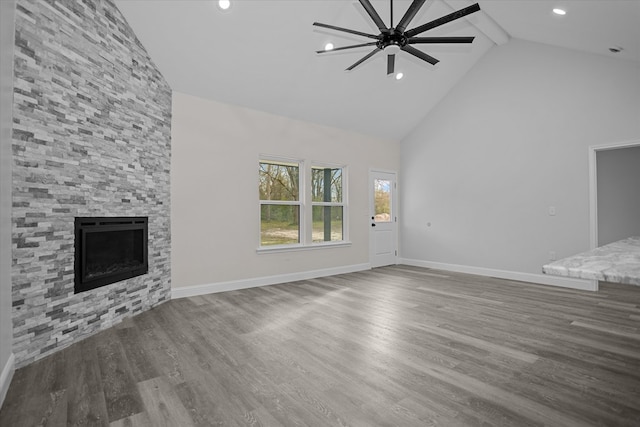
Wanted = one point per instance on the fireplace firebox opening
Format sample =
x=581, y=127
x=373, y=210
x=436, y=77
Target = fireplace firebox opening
x=108, y=250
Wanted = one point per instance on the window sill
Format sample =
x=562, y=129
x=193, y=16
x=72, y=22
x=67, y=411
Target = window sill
x=295, y=248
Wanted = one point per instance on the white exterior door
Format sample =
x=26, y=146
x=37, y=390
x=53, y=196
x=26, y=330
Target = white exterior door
x=383, y=233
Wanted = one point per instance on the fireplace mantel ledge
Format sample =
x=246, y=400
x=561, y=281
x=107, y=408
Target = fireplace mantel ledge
x=617, y=262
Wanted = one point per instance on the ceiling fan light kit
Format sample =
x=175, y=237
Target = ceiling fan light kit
x=392, y=39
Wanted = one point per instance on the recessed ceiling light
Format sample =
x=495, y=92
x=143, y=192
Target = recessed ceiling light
x=559, y=11
x=328, y=46
x=399, y=76
x=224, y=4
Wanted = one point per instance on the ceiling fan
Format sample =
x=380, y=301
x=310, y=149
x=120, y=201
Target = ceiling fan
x=394, y=39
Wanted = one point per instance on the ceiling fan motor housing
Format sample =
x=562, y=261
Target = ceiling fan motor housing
x=392, y=39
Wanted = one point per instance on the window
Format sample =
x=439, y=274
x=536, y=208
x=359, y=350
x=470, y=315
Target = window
x=279, y=203
x=382, y=200
x=327, y=205
x=301, y=206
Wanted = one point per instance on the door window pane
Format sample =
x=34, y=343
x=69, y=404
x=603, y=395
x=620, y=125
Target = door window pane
x=327, y=224
x=382, y=196
x=279, y=224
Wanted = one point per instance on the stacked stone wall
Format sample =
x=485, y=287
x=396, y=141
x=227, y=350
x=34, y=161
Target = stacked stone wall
x=91, y=137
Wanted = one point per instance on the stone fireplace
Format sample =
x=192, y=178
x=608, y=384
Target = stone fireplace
x=91, y=141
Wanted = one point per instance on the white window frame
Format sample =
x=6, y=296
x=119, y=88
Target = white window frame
x=305, y=205
x=300, y=202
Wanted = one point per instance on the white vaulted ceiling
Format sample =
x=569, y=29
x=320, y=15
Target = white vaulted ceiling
x=261, y=53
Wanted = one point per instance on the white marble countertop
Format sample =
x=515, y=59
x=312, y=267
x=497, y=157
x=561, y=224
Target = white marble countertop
x=617, y=262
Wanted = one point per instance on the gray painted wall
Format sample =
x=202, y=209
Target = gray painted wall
x=510, y=141
x=240, y=136
x=618, y=173
x=7, y=15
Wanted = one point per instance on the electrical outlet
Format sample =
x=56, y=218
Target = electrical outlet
x=552, y=256
x=552, y=210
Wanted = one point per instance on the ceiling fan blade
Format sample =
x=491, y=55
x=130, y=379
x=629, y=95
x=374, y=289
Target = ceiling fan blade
x=419, y=54
x=415, y=40
x=391, y=64
x=374, y=15
x=347, y=47
x=443, y=20
x=409, y=15
x=346, y=30
x=376, y=50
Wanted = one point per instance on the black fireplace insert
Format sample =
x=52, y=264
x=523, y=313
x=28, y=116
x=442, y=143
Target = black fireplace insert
x=109, y=249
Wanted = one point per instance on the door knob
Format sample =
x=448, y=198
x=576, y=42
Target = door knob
x=373, y=225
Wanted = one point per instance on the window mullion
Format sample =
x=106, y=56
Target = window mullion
x=327, y=204
x=281, y=202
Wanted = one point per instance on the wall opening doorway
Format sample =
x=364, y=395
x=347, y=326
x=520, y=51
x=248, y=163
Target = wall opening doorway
x=614, y=192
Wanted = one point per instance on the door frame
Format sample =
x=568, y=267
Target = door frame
x=593, y=184
x=394, y=209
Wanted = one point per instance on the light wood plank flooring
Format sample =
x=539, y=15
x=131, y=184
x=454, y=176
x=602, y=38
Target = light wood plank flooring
x=394, y=346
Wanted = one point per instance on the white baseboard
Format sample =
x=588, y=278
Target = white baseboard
x=542, y=279
x=190, y=291
x=6, y=376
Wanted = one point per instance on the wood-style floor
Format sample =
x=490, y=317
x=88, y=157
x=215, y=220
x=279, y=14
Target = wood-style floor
x=394, y=346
